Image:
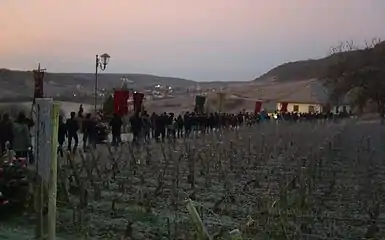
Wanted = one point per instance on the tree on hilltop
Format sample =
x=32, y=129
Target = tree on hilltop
x=359, y=73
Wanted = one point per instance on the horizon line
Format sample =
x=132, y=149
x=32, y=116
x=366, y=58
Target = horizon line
x=121, y=73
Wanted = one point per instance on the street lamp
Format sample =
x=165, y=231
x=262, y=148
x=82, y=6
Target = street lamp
x=100, y=63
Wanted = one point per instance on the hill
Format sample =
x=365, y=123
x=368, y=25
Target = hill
x=310, y=69
x=16, y=84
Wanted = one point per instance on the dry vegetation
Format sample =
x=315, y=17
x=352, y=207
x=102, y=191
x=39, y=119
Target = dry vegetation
x=287, y=181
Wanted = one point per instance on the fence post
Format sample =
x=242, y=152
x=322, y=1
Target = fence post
x=46, y=128
x=52, y=186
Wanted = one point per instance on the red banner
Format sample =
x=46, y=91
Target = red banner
x=117, y=100
x=138, y=101
x=38, y=76
x=326, y=108
x=284, y=106
x=120, y=102
x=258, y=107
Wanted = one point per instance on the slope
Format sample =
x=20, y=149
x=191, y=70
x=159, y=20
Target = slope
x=308, y=69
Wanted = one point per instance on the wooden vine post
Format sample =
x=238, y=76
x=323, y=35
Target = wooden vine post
x=45, y=150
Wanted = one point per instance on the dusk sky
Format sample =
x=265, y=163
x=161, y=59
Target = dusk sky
x=196, y=39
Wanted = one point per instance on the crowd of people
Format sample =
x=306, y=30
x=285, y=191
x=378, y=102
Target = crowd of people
x=143, y=126
x=159, y=127
x=16, y=135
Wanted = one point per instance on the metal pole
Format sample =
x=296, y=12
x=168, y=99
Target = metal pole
x=96, y=82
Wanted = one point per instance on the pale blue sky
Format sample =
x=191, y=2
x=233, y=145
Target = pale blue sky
x=196, y=39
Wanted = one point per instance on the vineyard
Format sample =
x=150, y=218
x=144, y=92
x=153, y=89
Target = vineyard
x=306, y=180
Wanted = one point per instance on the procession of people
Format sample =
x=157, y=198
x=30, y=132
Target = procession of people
x=144, y=127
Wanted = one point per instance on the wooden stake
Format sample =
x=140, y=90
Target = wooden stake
x=42, y=151
x=52, y=186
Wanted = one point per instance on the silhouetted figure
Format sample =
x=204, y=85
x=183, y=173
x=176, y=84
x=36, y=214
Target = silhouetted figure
x=62, y=134
x=72, y=130
x=136, y=126
x=6, y=133
x=187, y=120
x=146, y=122
x=171, y=133
x=21, y=136
x=153, y=119
x=90, y=133
x=160, y=126
x=179, y=126
x=116, y=129
x=80, y=112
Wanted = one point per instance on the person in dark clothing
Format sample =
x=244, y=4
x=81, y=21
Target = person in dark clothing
x=116, y=129
x=187, y=124
x=136, y=126
x=154, y=117
x=93, y=131
x=89, y=132
x=6, y=133
x=171, y=126
x=22, y=137
x=160, y=127
x=72, y=131
x=146, y=123
x=179, y=126
x=62, y=134
x=86, y=129
x=80, y=112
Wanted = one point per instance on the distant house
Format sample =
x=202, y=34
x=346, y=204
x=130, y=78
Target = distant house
x=299, y=96
x=309, y=97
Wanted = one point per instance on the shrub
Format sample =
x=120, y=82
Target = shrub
x=14, y=189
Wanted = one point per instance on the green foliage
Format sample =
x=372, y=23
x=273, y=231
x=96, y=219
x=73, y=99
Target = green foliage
x=108, y=105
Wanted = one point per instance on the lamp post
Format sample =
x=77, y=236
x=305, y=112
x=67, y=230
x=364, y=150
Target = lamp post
x=100, y=63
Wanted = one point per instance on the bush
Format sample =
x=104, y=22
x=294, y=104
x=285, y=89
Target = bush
x=14, y=187
x=108, y=106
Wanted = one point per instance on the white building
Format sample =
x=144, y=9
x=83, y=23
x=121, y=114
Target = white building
x=312, y=96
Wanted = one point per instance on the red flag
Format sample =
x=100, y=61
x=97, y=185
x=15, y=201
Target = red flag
x=117, y=100
x=258, y=106
x=120, y=102
x=123, y=109
x=138, y=101
x=284, y=106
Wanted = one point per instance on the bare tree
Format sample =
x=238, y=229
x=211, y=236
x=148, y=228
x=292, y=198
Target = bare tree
x=360, y=70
